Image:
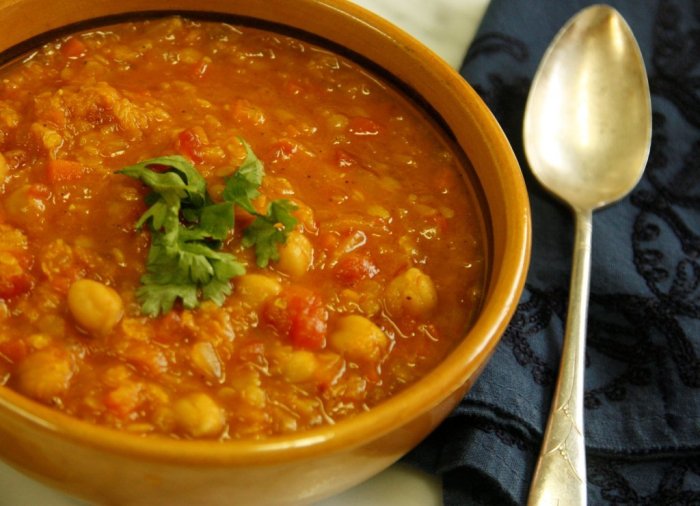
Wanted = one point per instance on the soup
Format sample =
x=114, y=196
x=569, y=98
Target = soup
x=215, y=231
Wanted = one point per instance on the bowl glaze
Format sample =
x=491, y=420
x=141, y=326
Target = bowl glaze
x=108, y=467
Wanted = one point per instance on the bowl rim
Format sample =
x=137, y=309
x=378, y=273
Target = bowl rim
x=464, y=361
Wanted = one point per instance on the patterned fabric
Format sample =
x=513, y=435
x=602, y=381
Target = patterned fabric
x=642, y=398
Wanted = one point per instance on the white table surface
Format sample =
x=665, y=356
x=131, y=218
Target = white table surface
x=447, y=27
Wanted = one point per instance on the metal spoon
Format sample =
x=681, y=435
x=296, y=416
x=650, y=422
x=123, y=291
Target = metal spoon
x=587, y=134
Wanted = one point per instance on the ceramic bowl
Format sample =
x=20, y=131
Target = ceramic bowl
x=109, y=467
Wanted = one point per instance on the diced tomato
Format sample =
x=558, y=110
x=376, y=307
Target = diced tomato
x=56, y=116
x=124, y=399
x=246, y=112
x=328, y=241
x=38, y=192
x=62, y=281
x=13, y=350
x=62, y=171
x=354, y=267
x=309, y=328
x=300, y=315
x=189, y=144
x=13, y=285
x=168, y=328
x=344, y=159
x=359, y=125
x=146, y=358
x=284, y=149
x=15, y=278
x=73, y=48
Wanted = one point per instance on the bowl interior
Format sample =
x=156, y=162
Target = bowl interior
x=427, y=80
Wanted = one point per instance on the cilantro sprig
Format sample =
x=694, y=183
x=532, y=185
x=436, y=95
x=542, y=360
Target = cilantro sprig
x=268, y=229
x=188, y=230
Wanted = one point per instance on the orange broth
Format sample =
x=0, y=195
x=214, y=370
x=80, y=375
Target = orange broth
x=381, y=276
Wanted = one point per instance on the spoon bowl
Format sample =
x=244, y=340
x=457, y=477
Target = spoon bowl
x=587, y=126
x=587, y=135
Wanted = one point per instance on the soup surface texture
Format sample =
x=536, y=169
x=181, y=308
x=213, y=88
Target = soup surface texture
x=195, y=296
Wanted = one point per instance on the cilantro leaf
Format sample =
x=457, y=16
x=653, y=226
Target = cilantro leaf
x=242, y=187
x=188, y=229
x=216, y=290
x=270, y=230
x=159, y=298
x=217, y=220
x=180, y=177
x=199, y=260
x=158, y=213
x=281, y=212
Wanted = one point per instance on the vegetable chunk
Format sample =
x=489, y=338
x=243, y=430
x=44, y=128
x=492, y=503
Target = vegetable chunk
x=199, y=416
x=45, y=374
x=359, y=339
x=96, y=307
x=411, y=293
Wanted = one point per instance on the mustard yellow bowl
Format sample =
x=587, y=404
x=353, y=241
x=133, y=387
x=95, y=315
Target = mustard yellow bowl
x=111, y=467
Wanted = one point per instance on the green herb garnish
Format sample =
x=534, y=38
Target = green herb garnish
x=188, y=230
x=269, y=230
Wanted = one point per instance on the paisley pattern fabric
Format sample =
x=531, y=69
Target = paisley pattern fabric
x=642, y=398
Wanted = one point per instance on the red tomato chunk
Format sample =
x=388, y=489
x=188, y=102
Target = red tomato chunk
x=299, y=315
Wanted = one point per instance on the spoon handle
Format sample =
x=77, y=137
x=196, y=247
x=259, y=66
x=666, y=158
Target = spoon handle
x=560, y=475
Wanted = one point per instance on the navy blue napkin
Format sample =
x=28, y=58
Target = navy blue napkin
x=642, y=418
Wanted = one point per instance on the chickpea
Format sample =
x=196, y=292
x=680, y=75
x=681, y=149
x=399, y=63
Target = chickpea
x=257, y=288
x=378, y=211
x=359, y=339
x=300, y=366
x=338, y=121
x=296, y=255
x=247, y=385
x=26, y=208
x=97, y=308
x=45, y=374
x=199, y=415
x=39, y=341
x=411, y=293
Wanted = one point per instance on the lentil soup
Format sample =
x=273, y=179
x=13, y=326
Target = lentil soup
x=352, y=262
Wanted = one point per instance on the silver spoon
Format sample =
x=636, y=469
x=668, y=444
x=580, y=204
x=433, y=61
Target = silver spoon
x=587, y=134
